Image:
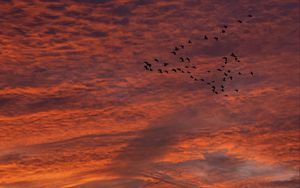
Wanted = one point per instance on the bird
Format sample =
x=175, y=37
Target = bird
x=174, y=70
x=223, y=66
x=186, y=67
x=146, y=67
x=224, y=79
x=252, y=73
x=205, y=37
x=222, y=86
x=179, y=69
x=188, y=72
x=194, y=67
x=202, y=79
x=208, y=71
x=160, y=71
x=219, y=69
x=182, y=46
x=191, y=76
x=173, y=52
x=181, y=59
x=230, y=77
x=216, y=38
x=222, y=90
x=196, y=79
x=213, y=81
x=182, y=71
x=232, y=54
x=225, y=26
x=226, y=95
x=228, y=71
x=166, y=64
x=187, y=58
x=240, y=73
x=208, y=83
x=225, y=74
x=166, y=71
x=150, y=69
x=216, y=92
x=190, y=42
x=223, y=31
x=250, y=15
x=176, y=48
x=236, y=90
x=156, y=60
x=240, y=21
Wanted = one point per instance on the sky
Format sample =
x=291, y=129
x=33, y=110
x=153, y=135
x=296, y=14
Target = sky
x=78, y=109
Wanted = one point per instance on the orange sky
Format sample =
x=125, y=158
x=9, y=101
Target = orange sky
x=78, y=110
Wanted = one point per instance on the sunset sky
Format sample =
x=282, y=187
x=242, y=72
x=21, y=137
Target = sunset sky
x=78, y=109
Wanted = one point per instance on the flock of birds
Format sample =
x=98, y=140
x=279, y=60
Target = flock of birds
x=217, y=86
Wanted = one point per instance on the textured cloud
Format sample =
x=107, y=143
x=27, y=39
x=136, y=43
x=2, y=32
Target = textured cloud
x=78, y=110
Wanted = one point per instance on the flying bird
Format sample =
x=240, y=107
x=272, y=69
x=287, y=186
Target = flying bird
x=173, y=52
x=252, y=73
x=223, y=31
x=174, y=70
x=176, y=49
x=166, y=64
x=187, y=58
x=250, y=15
x=225, y=26
x=194, y=67
x=205, y=37
x=240, y=73
x=160, y=71
x=240, y=21
x=219, y=69
x=216, y=38
x=190, y=42
x=181, y=59
x=182, y=46
x=236, y=90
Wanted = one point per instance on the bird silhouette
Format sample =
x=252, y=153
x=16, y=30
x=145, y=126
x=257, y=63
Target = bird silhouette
x=240, y=21
x=166, y=71
x=225, y=26
x=225, y=74
x=194, y=67
x=230, y=77
x=216, y=38
x=166, y=64
x=148, y=64
x=156, y=60
x=188, y=72
x=146, y=67
x=219, y=69
x=224, y=79
x=196, y=79
x=173, y=52
x=223, y=31
x=176, y=49
x=186, y=67
x=228, y=71
x=187, y=58
x=202, y=79
x=240, y=73
x=236, y=90
x=226, y=95
x=191, y=76
x=179, y=69
x=250, y=15
x=205, y=37
x=252, y=73
x=160, y=71
x=182, y=46
x=174, y=70
x=233, y=55
x=181, y=59
x=190, y=42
